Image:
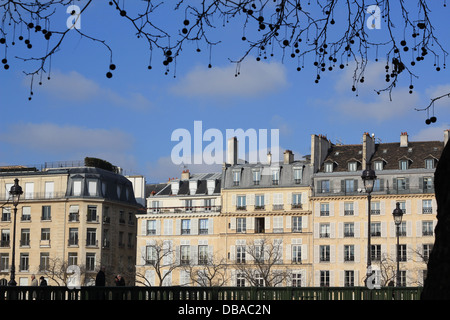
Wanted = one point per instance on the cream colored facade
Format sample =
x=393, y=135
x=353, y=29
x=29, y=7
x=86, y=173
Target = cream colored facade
x=183, y=221
x=340, y=241
x=68, y=216
x=314, y=212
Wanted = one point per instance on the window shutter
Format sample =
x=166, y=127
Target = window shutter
x=194, y=226
x=210, y=226
x=304, y=252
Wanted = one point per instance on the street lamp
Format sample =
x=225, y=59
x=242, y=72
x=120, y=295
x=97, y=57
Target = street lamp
x=15, y=193
x=368, y=176
x=398, y=215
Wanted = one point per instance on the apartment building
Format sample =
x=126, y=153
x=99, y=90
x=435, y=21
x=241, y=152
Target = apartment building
x=405, y=172
x=179, y=230
x=68, y=215
x=267, y=219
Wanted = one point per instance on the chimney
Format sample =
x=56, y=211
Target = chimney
x=404, y=139
x=446, y=136
x=185, y=175
x=368, y=148
x=232, y=152
x=319, y=150
x=288, y=157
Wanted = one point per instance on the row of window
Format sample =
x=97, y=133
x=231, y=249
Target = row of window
x=259, y=201
x=202, y=255
x=45, y=262
x=375, y=207
x=73, y=240
x=74, y=216
x=275, y=176
x=379, y=165
x=399, y=184
x=426, y=229
x=375, y=252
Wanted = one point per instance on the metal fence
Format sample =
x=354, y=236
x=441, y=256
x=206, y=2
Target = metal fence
x=208, y=293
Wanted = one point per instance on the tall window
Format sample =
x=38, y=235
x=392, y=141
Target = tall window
x=241, y=203
x=296, y=200
x=203, y=255
x=240, y=254
x=91, y=237
x=92, y=188
x=324, y=251
x=73, y=236
x=403, y=164
x=90, y=261
x=259, y=201
x=151, y=255
x=296, y=253
x=241, y=225
x=325, y=186
x=185, y=251
x=46, y=213
x=349, y=229
x=256, y=177
x=49, y=189
x=349, y=253
x=296, y=279
x=324, y=230
x=324, y=209
x=92, y=214
x=324, y=278
x=349, y=278
x=275, y=177
x=348, y=208
x=298, y=175
x=186, y=226
x=296, y=224
x=236, y=177
x=77, y=188
x=426, y=206
x=203, y=226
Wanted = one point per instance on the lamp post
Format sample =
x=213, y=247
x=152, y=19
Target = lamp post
x=398, y=215
x=368, y=176
x=15, y=193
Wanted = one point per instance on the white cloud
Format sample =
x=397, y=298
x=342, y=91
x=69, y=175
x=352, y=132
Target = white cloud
x=71, y=140
x=431, y=133
x=255, y=78
x=73, y=87
x=366, y=103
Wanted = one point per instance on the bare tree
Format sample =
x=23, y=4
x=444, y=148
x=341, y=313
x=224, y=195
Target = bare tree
x=62, y=273
x=159, y=257
x=328, y=34
x=264, y=264
x=210, y=271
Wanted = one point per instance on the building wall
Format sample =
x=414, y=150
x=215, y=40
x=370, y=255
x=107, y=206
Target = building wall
x=110, y=242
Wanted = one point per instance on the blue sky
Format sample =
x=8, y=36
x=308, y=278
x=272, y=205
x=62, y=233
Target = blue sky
x=129, y=119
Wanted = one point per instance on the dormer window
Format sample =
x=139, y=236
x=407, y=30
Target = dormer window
x=275, y=177
x=352, y=166
x=429, y=163
x=403, y=164
x=236, y=177
x=328, y=167
x=378, y=165
x=256, y=176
